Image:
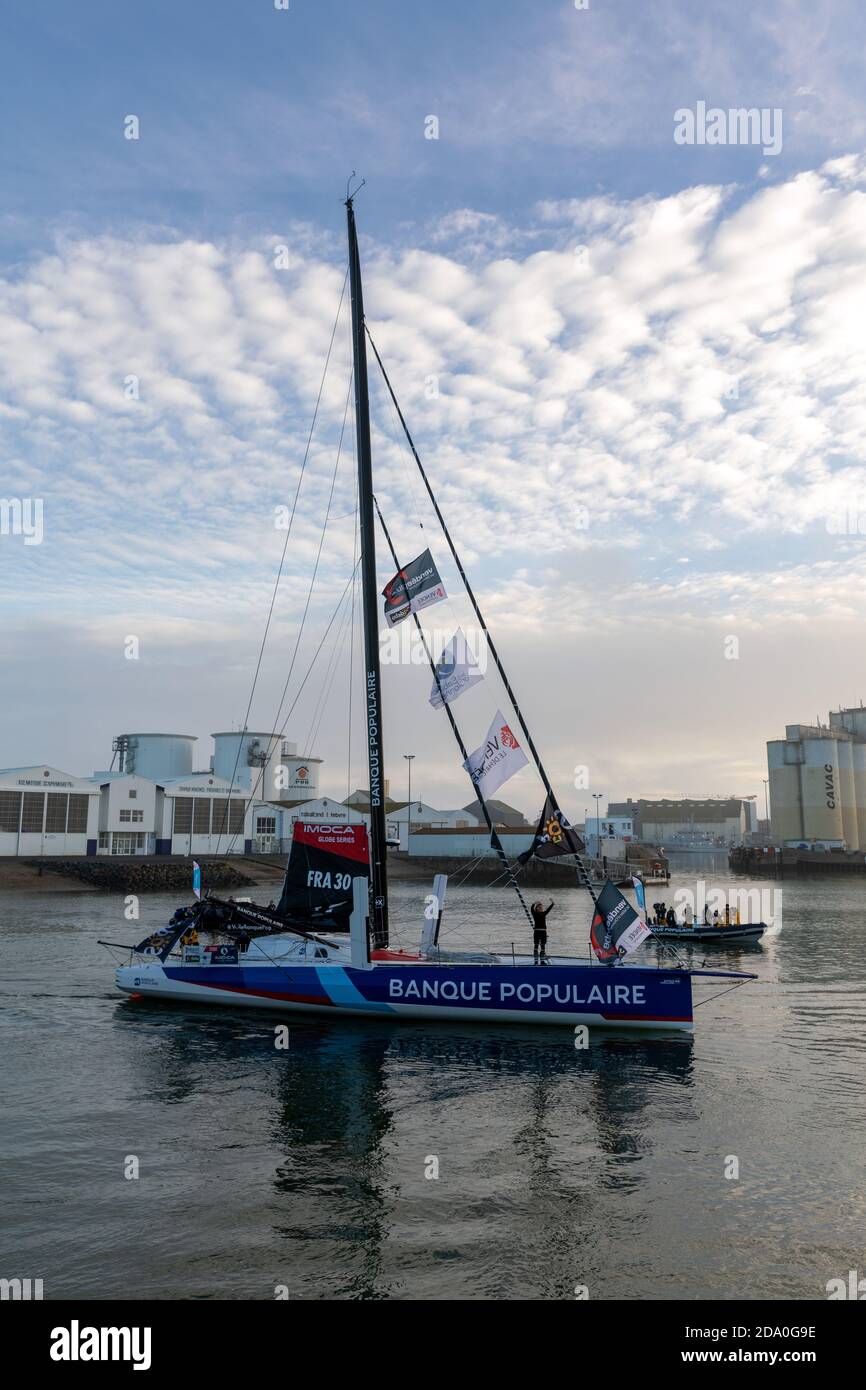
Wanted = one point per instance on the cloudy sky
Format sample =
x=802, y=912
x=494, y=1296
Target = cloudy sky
x=634, y=368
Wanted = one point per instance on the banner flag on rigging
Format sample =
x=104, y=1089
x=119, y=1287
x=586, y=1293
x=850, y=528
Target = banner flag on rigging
x=456, y=671
x=196, y=879
x=616, y=928
x=498, y=758
x=639, y=897
x=554, y=836
x=413, y=587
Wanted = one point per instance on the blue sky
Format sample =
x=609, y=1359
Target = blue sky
x=668, y=336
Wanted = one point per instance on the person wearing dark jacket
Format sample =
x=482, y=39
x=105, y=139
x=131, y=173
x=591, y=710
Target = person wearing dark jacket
x=539, y=932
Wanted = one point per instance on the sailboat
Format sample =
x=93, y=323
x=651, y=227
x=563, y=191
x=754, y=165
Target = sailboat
x=325, y=948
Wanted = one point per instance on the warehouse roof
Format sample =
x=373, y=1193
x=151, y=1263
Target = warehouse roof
x=712, y=809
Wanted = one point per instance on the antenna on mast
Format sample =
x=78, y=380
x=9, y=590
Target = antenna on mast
x=350, y=196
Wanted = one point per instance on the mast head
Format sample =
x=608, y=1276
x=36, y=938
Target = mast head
x=350, y=196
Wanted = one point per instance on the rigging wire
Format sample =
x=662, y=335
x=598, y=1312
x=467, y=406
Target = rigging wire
x=252, y=796
x=406, y=451
x=582, y=873
x=318, y=558
x=494, y=836
x=738, y=985
x=327, y=685
x=286, y=541
x=319, y=710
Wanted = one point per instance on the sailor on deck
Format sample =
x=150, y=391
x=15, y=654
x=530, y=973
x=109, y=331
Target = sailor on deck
x=539, y=932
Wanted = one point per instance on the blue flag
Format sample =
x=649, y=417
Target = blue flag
x=196, y=879
x=640, y=897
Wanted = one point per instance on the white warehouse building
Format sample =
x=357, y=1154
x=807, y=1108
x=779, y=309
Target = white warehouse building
x=45, y=811
x=153, y=802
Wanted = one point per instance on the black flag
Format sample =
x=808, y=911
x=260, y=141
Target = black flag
x=616, y=927
x=414, y=587
x=554, y=836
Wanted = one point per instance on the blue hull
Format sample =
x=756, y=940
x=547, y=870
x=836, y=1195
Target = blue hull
x=565, y=994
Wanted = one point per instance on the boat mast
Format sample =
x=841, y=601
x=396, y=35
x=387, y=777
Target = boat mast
x=369, y=595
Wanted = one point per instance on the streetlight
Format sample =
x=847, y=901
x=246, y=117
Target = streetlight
x=409, y=757
x=597, y=796
x=766, y=800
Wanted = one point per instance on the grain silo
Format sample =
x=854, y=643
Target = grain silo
x=155, y=756
x=783, y=765
x=820, y=788
x=858, y=755
x=817, y=777
x=249, y=760
x=850, y=832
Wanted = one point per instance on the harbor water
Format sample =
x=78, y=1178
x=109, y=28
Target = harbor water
x=155, y=1152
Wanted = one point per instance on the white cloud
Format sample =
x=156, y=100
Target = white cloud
x=694, y=383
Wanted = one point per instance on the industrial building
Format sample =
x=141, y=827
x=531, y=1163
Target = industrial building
x=152, y=802
x=267, y=765
x=688, y=820
x=817, y=776
x=46, y=811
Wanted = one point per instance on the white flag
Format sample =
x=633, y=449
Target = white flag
x=498, y=758
x=456, y=670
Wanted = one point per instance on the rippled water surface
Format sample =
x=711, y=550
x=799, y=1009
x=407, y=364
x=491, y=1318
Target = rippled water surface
x=557, y=1168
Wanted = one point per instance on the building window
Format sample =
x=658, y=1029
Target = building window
x=103, y=839
x=10, y=812
x=201, y=816
x=33, y=813
x=220, y=815
x=76, y=820
x=133, y=795
x=125, y=814
x=138, y=816
x=182, y=815
x=266, y=826
x=55, y=815
x=236, y=822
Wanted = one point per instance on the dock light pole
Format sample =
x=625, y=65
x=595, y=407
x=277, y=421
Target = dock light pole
x=409, y=757
x=597, y=796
